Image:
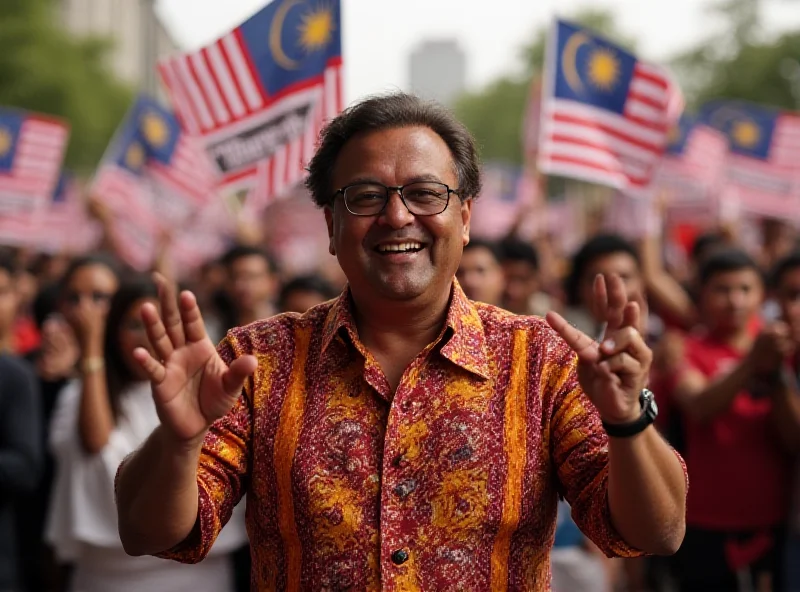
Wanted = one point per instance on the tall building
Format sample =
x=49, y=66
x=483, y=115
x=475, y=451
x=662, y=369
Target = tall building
x=438, y=70
x=139, y=37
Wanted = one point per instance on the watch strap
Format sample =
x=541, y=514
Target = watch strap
x=648, y=416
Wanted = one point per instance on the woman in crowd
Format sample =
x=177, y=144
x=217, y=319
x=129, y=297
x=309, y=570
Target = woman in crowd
x=99, y=419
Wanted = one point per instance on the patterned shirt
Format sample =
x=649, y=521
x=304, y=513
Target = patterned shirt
x=449, y=483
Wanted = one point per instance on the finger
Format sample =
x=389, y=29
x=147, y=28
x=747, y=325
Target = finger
x=630, y=315
x=599, y=304
x=627, y=340
x=155, y=371
x=239, y=370
x=578, y=341
x=193, y=325
x=617, y=299
x=169, y=311
x=156, y=333
x=622, y=364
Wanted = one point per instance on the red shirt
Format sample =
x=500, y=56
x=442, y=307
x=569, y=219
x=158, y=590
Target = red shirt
x=739, y=470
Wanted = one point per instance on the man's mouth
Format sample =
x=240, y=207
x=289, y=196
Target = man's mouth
x=407, y=247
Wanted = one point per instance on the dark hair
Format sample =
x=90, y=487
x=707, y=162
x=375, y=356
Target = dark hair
x=118, y=375
x=241, y=251
x=102, y=259
x=705, y=243
x=724, y=261
x=45, y=304
x=788, y=263
x=391, y=111
x=514, y=249
x=596, y=247
x=479, y=243
x=307, y=283
x=8, y=264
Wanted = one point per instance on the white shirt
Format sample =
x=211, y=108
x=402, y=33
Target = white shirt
x=82, y=521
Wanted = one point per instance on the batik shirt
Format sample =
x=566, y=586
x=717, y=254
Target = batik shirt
x=450, y=482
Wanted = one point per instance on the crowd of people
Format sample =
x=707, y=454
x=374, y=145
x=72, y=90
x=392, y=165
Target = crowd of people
x=724, y=328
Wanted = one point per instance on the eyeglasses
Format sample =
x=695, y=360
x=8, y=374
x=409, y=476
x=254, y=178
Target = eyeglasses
x=425, y=198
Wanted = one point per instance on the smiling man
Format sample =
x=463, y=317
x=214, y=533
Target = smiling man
x=401, y=437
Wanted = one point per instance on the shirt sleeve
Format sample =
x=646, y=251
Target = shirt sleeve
x=222, y=474
x=20, y=429
x=579, y=448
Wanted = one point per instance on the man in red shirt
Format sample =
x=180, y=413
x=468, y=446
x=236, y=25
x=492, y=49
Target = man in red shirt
x=737, y=438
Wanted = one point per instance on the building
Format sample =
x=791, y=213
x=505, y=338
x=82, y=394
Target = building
x=438, y=70
x=139, y=37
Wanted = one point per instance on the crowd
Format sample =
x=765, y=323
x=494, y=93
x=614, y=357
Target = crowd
x=724, y=327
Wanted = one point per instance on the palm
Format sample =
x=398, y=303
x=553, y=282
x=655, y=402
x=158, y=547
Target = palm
x=192, y=385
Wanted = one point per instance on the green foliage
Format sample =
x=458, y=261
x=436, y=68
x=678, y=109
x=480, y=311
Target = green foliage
x=43, y=69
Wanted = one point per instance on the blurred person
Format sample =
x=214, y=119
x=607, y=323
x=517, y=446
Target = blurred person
x=100, y=418
x=604, y=254
x=9, y=302
x=522, y=294
x=778, y=238
x=401, y=436
x=480, y=273
x=251, y=286
x=88, y=284
x=739, y=442
x=55, y=363
x=304, y=292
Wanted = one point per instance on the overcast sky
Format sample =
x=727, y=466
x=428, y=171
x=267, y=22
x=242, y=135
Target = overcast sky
x=379, y=35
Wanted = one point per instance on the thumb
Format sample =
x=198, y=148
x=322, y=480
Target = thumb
x=238, y=371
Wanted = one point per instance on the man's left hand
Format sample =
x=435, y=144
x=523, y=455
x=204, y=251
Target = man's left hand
x=613, y=373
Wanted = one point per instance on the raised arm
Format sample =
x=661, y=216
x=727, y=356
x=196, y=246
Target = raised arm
x=157, y=487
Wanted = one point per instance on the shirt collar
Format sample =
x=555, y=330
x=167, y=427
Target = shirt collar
x=465, y=343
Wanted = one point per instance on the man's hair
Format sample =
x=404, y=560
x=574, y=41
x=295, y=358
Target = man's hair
x=788, y=263
x=705, y=244
x=100, y=259
x=307, y=283
x=479, y=243
x=513, y=249
x=393, y=111
x=596, y=247
x=725, y=261
x=242, y=251
x=8, y=264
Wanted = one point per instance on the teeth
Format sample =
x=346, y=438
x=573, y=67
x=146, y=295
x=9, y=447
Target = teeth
x=399, y=248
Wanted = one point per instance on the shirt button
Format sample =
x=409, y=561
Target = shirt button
x=399, y=557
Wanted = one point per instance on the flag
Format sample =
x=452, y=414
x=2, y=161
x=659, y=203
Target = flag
x=261, y=93
x=32, y=149
x=764, y=151
x=606, y=114
x=498, y=205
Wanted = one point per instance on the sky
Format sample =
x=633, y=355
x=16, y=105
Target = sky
x=379, y=35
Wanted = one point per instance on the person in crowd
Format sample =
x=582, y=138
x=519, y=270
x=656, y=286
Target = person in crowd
x=55, y=363
x=522, y=294
x=304, y=292
x=401, y=436
x=252, y=285
x=20, y=441
x=603, y=254
x=739, y=434
x=480, y=272
x=89, y=284
x=100, y=418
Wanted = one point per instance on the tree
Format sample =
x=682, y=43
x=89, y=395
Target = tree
x=43, y=69
x=494, y=114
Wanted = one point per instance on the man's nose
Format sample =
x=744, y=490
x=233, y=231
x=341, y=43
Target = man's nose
x=396, y=214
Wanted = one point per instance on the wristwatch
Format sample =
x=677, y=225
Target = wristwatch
x=648, y=416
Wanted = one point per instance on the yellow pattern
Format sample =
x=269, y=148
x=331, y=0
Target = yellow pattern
x=514, y=448
x=291, y=420
x=746, y=133
x=5, y=141
x=328, y=494
x=468, y=486
x=316, y=28
x=155, y=130
x=603, y=68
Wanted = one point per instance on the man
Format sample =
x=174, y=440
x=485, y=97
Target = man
x=303, y=292
x=738, y=434
x=401, y=437
x=522, y=294
x=253, y=284
x=20, y=432
x=480, y=273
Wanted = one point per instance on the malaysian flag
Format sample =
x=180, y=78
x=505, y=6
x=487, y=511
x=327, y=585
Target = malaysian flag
x=606, y=115
x=258, y=97
x=764, y=152
x=31, y=152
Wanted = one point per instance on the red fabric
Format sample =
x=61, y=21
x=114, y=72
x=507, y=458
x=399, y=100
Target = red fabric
x=26, y=336
x=739, y=472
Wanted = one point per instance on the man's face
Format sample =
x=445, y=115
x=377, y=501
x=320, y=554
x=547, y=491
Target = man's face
x=397, y=157
x=621, y=264
x=522, y=282
x=9, y=301
x=252, y=283
x=730, y=299
x=481, y=276
x=788, y=294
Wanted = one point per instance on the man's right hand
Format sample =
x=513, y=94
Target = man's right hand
x=192, y=386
